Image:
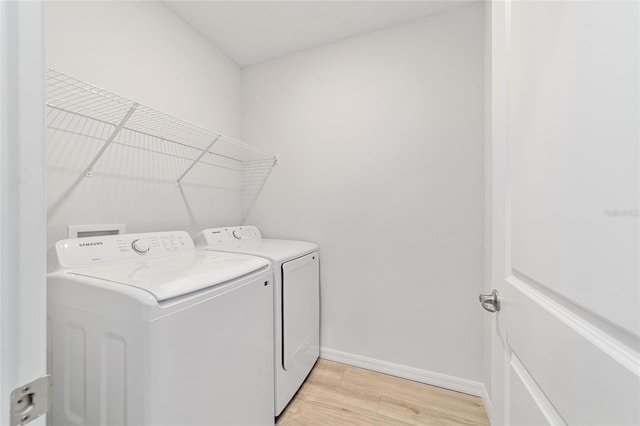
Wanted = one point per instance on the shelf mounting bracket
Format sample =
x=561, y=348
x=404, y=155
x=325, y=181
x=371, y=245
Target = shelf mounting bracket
x=119, y=126
x=197, y=160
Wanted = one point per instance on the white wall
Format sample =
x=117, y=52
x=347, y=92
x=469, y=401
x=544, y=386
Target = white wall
x=142, y=51
x=380, y=139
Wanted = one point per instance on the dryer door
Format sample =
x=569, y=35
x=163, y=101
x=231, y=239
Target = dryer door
x=300, y=309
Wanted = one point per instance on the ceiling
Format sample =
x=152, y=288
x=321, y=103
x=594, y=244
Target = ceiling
x=250, y=32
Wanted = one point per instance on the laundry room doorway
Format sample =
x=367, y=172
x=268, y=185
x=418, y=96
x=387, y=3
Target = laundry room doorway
x=22, y=215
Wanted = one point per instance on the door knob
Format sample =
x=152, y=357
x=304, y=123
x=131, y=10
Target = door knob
x=490, y=302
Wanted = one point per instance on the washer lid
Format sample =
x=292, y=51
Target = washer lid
x=170, y=276
x=275, y=250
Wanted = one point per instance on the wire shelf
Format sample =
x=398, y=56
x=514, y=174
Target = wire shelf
x=85, y=113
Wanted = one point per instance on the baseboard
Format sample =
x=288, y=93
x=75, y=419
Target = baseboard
x=488, y=407
x=423, y=376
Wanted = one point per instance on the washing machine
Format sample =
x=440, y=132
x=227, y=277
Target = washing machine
x=296, y=269
x=145, y=330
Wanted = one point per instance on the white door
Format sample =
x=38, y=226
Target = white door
x=565, y=138
x=22, y=204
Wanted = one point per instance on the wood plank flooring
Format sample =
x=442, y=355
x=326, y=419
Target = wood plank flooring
x=336, y=394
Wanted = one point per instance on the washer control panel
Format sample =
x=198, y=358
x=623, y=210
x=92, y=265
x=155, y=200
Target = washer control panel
x=213, y=236
x=76, y=252
x=141, y=245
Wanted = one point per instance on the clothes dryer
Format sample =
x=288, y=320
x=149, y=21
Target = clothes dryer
x=145, y=330
x=296, y=269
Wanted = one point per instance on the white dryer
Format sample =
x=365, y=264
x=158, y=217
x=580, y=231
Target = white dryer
x=145, y=330
x=296, y=268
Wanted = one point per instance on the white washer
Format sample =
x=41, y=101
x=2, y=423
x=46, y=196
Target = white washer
x=296, y=299
x=145, y=330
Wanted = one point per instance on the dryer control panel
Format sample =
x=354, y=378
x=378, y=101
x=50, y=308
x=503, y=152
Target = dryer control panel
x=77, y=252
x=212, y=236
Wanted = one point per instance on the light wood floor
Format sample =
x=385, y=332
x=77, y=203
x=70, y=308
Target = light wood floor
x=336, y=394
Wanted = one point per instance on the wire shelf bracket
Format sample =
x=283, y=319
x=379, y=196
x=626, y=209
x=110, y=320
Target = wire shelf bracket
x=197, y=160
x=119, y=126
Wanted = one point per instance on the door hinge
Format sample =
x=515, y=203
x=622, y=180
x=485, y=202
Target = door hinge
x=31, y=401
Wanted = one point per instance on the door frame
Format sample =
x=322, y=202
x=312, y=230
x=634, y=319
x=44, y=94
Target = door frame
x=496, y=203
x=23, y=221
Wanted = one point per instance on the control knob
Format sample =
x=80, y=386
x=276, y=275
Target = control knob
x=238, y=233
x=140, y=246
